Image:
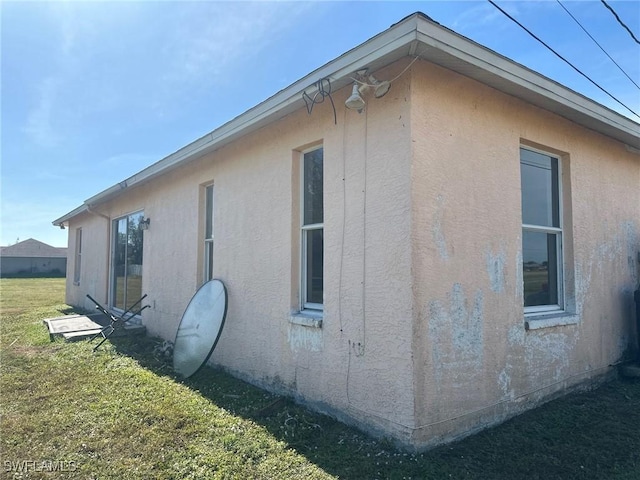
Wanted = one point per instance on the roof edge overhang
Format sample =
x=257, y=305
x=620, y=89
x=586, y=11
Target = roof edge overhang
x=455, y=52
x=415, y=35
x=64, y=220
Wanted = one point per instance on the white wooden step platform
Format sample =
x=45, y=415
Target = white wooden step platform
x=80, y=327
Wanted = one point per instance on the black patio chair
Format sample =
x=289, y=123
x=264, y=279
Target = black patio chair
x=115, y=321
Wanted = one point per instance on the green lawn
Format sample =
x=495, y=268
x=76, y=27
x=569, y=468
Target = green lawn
x=121, y=414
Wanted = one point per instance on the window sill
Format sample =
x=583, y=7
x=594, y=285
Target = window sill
x=77, y=284
x=307, y=318
x=548, y=320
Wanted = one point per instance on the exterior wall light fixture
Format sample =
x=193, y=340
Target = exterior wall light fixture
x=380, y=89
x=362, y=83
x=355, y=101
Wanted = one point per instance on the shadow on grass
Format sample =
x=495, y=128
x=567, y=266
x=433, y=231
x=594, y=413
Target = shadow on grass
x=71, y=311
x=581, y=436
x=334, y=447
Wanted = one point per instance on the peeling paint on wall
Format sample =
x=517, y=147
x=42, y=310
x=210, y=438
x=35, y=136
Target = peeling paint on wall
x=504, y=381
x=549, y=353
x=545, y=356
x=495, y=270
x=438, y=235
x=516, y=335
x=515, y=338
x=633, y=249
x=456, y=333
x=583, y=282
x=305, y=338
x=607, y=253
x=519, y=276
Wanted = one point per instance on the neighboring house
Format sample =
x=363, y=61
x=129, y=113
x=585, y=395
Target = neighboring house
x=460, y=251
x=32, y=256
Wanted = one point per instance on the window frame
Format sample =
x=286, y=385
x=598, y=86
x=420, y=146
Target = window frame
x=558, y=232
x=114, y=245
x=305, y=229
x=208, y=242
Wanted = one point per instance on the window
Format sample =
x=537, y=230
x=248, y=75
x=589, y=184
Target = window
x=126, y=264
x=208, y=233
x=312, y=229
x=542, y=264
x=78, y=257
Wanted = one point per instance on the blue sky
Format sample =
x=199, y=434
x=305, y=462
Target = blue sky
x=93, y=92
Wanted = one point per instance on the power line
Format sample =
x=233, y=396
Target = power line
x=595, y=41
x=561, y=57
x=620, y=21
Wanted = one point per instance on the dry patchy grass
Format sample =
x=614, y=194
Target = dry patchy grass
x=121, y=413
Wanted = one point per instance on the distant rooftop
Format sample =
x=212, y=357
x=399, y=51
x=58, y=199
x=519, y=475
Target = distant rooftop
x=32, y=248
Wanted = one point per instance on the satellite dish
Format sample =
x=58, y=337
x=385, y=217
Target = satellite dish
x=200, y=328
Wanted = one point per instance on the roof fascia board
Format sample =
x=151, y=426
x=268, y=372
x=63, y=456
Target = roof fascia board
x=65, y=218
x=487, y=61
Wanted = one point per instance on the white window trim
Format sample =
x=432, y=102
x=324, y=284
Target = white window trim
x=559, y=308
x=553, y=319
x=304, y=305
x=307, y=318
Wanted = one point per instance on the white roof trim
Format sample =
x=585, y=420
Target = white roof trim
x=416, y=34
x=505, y=75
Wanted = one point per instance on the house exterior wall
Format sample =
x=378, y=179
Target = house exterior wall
x=94, y=265
x=423, y=335
x=475, y=363
x=364, y=343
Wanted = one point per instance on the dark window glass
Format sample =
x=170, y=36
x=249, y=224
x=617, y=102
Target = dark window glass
x=312, y=184
x=314, y=260
x=312, y=228
x=540, y=272
x=78, y=266
x=208, y=261
x=209, y=212
x=134, y=259
x=119, y=263
x=208, y=234
x=539, y=181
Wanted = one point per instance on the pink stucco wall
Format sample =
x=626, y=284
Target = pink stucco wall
x=423, y=336
x=475, y=363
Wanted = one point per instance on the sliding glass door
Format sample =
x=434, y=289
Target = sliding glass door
x=126, y=267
